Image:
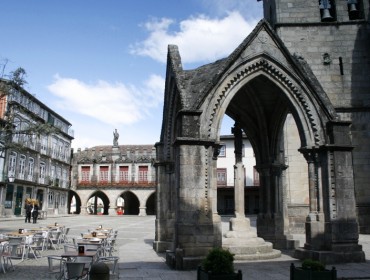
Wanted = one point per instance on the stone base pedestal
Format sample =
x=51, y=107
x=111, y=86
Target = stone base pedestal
x=176, y=260
x=243, y=242
x=349, y=254
x=161, y=246
x=271, y=228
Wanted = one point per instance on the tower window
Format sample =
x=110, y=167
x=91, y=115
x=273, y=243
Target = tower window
x=354, y=7
x=327, y=10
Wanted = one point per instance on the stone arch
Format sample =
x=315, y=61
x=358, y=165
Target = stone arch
x=150, y=204
x=308, y=118
x=259, y=95
x=258, y=85
x=74, y=209
x=132, y=203
x=96, y=209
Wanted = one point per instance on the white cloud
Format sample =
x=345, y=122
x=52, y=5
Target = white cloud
x=200, y=38
x=114, y=104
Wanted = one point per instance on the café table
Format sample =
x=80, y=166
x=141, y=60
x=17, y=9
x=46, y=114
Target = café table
x=58, y=226
x=75, y=254
x=91, y=246
x=90, y=236
x=37, y=230
x=17, y=234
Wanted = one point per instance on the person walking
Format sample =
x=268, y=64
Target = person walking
x=35, y=212
x=28, y=208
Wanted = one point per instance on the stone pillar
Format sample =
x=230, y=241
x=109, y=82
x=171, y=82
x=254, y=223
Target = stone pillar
x=315, y=222
x=195, y=232
x=332, y=227
x=164, y=224
x=271, y=221
x=241, y=240
x=142, y=211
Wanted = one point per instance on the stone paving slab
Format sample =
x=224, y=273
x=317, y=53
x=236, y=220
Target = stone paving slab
x=138, y=260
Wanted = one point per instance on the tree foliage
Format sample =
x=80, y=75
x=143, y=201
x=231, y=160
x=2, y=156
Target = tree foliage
x=11, y=124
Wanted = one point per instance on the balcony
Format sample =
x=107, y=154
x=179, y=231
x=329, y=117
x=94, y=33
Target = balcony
x=119, y=183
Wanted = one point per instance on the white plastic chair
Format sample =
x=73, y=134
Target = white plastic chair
x=54, y=239
x=16, y=247
x=75, y=270
x=5, y=257
x=28, y=244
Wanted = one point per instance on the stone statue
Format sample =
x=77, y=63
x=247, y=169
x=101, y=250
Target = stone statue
x=115, y=138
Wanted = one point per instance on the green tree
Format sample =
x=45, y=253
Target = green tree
x=11, y=86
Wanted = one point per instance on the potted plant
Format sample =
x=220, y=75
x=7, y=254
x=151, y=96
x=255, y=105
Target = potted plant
x=218, y=265
x=312, y=270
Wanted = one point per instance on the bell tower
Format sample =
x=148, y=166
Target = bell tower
x=300, y=12
x=333, y=38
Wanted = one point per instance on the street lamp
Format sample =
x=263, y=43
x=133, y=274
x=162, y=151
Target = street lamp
x=3, y=182
x=11, y=179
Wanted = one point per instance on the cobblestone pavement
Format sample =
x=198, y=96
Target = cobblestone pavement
x=138, y=260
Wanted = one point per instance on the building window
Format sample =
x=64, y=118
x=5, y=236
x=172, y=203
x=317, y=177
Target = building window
x=12, y=162
x=42, y=173
x=62, y=199
x=85, y=174
x=22, y=167
x=51, y=198
x=256, y=177
x=58, y=176
x=64, y=178
x=222, y=151
x=31, y=163
x=66, y=151
x=56, y=201
x=221, y=176
x=52, y=172
x=54, y=147
x=44, y=144
x=103, y=172
x=123, y=174
x=354, y=9
x=143, y=174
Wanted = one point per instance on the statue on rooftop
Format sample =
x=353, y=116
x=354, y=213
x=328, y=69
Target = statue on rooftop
x=115, y=137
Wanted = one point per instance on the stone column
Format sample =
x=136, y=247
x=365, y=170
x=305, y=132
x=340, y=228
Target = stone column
x=164, y=227
x=271, y=221
x=315, y=222
x=142, y=211
x=241, y=239
x=194, y=227
x=332, y=227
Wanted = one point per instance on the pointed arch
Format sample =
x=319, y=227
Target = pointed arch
x=303, y=101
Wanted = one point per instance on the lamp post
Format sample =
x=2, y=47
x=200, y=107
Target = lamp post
x=2, y=179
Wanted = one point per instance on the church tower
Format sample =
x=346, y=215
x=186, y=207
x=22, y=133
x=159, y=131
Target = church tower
x=333, y=37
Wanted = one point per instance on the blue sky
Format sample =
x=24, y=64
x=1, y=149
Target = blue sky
x=101, y=64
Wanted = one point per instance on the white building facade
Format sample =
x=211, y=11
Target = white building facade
x=225, y=177
x=35, y=164
x=114, y=180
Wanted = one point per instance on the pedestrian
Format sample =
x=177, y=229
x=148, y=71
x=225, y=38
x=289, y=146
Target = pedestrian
x=28, y=208
x=35, y=212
